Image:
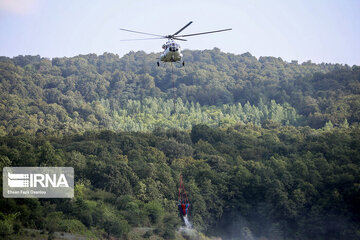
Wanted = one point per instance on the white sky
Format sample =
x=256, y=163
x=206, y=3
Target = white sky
x=316, y=30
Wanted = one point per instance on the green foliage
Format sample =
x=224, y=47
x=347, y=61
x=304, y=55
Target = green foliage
x=154, y=211
x=56, y=221
x=72, y=226
x=8, y=224
x=116, y=226
x=267, y=149
x=167, y=227
x=269, y=182
x=39, y=95
x=4, y=162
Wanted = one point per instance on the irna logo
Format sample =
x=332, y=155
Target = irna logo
x=37, y=180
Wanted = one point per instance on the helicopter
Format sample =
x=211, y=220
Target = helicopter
x=172, y=50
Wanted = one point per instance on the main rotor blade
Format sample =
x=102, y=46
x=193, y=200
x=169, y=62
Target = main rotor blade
x=141, y=32
x=195, y=34
x=183, y=28
x=179, y=39
x=138, y=39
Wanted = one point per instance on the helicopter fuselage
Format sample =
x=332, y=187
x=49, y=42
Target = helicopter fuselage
x=172, y=52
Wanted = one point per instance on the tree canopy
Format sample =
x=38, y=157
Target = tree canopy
x=90, y=91
x=279, y=182
x=267, y=149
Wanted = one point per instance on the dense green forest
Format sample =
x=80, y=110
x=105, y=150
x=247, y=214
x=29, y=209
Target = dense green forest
x=104, y=92
x=277, y=182
x=268, y=149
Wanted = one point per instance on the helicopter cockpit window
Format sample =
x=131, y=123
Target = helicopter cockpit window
x=173, y=47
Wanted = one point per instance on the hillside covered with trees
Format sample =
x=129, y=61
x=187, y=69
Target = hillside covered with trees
x=268, y=149
x=273, y=182
x=131, y=93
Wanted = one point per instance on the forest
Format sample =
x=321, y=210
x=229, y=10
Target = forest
x=131, y=93
x=276, y=182
x=267, y=149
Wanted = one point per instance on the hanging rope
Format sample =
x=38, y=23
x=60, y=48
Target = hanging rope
x=173, y=82
x=183, y=199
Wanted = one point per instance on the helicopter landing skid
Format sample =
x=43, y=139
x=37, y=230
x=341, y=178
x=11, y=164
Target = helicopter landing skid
x=158, y=63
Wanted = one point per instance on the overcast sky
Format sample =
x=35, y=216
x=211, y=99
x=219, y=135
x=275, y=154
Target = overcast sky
x=317, y=30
